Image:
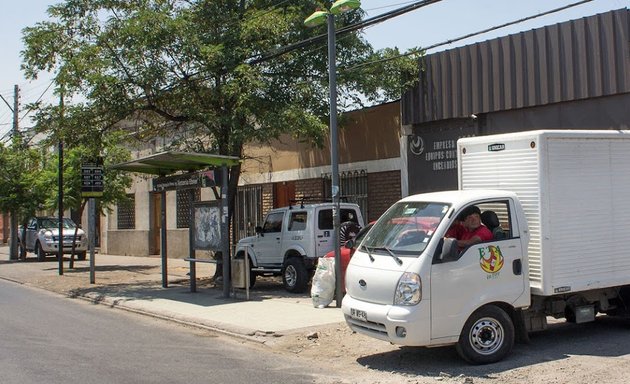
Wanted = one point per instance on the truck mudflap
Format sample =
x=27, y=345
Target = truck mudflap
x=396, y=324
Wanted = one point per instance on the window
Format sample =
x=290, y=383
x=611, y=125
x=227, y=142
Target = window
x=353, y=187
x=501, y=214
x=183, y=205
x=126, y=211
x=273, y=222
x=325, y=219
x=297, y=222
x=248, y=211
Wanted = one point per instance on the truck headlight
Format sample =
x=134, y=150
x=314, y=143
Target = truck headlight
x=48, y=236
x=409, y=289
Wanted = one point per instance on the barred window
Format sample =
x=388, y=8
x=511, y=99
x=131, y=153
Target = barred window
x=353, y=186
x=183, y=205
x=248, y=212
x=126, y=212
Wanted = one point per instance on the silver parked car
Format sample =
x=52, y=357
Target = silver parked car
x=42, y=238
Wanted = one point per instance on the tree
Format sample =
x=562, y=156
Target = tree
x=20, y=192
x=193, y=70
x=86, y=136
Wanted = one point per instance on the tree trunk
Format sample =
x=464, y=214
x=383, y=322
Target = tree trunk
x=74, y=238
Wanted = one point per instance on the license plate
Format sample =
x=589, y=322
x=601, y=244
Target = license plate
x=358, y=314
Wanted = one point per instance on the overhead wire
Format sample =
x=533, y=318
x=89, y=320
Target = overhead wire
x=469, y=35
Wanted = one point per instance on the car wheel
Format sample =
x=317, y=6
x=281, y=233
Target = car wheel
x=39, y=252
x=295, y=275
x=81, y=255
x=487, y=337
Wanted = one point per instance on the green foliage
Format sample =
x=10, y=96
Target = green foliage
x=189, y=63
x=198, y=72
x=116, y=182
x=20, y=190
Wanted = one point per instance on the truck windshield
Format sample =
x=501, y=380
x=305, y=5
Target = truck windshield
x=405, y=229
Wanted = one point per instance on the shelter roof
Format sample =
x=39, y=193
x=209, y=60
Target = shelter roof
x=168, y=162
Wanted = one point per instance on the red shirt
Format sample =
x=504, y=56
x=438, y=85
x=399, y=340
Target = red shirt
x=460, y=232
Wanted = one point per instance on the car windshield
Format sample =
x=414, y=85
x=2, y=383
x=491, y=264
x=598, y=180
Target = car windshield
x=52, y=223
x=405, y=229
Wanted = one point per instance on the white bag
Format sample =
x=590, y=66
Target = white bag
x=323, y=287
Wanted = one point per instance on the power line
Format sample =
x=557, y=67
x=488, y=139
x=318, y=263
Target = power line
x=481, y=32
x=360, y=25
x=38, y=99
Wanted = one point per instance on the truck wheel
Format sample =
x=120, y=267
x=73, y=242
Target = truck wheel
x=39, y=252
x=295, y=276
x=487, y=337
x=81, y=255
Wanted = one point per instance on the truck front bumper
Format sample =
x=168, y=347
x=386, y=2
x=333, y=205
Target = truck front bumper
x=396, y=324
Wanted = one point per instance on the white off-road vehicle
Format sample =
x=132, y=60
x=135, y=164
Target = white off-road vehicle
x=293, y=238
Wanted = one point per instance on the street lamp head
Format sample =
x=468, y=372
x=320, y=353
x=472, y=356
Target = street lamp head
x=317, y=18
x=341, y=6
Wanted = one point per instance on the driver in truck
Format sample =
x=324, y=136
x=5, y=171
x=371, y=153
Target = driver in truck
x=469, y=230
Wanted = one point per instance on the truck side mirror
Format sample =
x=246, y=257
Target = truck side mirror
x=349, y=244
x=446, y=251
x=259, y=230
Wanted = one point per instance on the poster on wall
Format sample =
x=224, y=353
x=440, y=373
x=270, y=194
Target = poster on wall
x=206, y=226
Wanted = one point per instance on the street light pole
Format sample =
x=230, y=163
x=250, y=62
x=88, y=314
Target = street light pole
x=334, y=153
x=339, y=6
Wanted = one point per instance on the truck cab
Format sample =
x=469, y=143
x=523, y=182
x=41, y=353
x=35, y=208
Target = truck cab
x=409, y=284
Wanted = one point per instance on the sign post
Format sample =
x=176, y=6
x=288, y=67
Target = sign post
x=92, y=185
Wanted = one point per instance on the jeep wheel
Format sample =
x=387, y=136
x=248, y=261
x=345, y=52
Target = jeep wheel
x=295, y=276
x=39, y=252
x=81, y=255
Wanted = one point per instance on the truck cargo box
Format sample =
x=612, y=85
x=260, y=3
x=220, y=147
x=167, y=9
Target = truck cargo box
x=575, y=190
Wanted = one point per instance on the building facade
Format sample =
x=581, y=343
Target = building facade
x=277, y=174
x=571, y=75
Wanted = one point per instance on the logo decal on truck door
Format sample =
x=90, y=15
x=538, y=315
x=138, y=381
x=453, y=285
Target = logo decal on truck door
x=491, y=259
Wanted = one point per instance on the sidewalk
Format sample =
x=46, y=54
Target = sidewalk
x=135, y=284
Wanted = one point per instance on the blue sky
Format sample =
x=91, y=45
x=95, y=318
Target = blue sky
x=426, y=26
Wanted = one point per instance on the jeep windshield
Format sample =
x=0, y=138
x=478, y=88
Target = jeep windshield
x=405, y=229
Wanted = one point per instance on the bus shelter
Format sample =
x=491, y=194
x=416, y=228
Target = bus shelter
x=187, y=170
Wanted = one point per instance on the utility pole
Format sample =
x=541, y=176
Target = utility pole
x=17, y=140
x=60, y=184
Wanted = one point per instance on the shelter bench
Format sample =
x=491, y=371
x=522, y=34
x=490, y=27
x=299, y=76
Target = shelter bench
x=193, y=270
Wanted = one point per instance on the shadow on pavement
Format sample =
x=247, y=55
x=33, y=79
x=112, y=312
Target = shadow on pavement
x=606, y=337
x=208, y=294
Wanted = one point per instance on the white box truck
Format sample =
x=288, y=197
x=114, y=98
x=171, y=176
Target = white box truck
x=558, y=205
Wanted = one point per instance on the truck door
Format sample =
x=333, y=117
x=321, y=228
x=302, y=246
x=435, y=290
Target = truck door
x=485, y=272
x=267, y=245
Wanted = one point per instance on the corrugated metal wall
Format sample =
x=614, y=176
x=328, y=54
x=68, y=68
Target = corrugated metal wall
x=575, y=60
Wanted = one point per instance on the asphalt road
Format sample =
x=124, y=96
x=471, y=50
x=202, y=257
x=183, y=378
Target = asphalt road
x=45, y=338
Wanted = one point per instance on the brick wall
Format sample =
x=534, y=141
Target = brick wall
x=267, y=198
x=383, y=191
x=310, y=189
